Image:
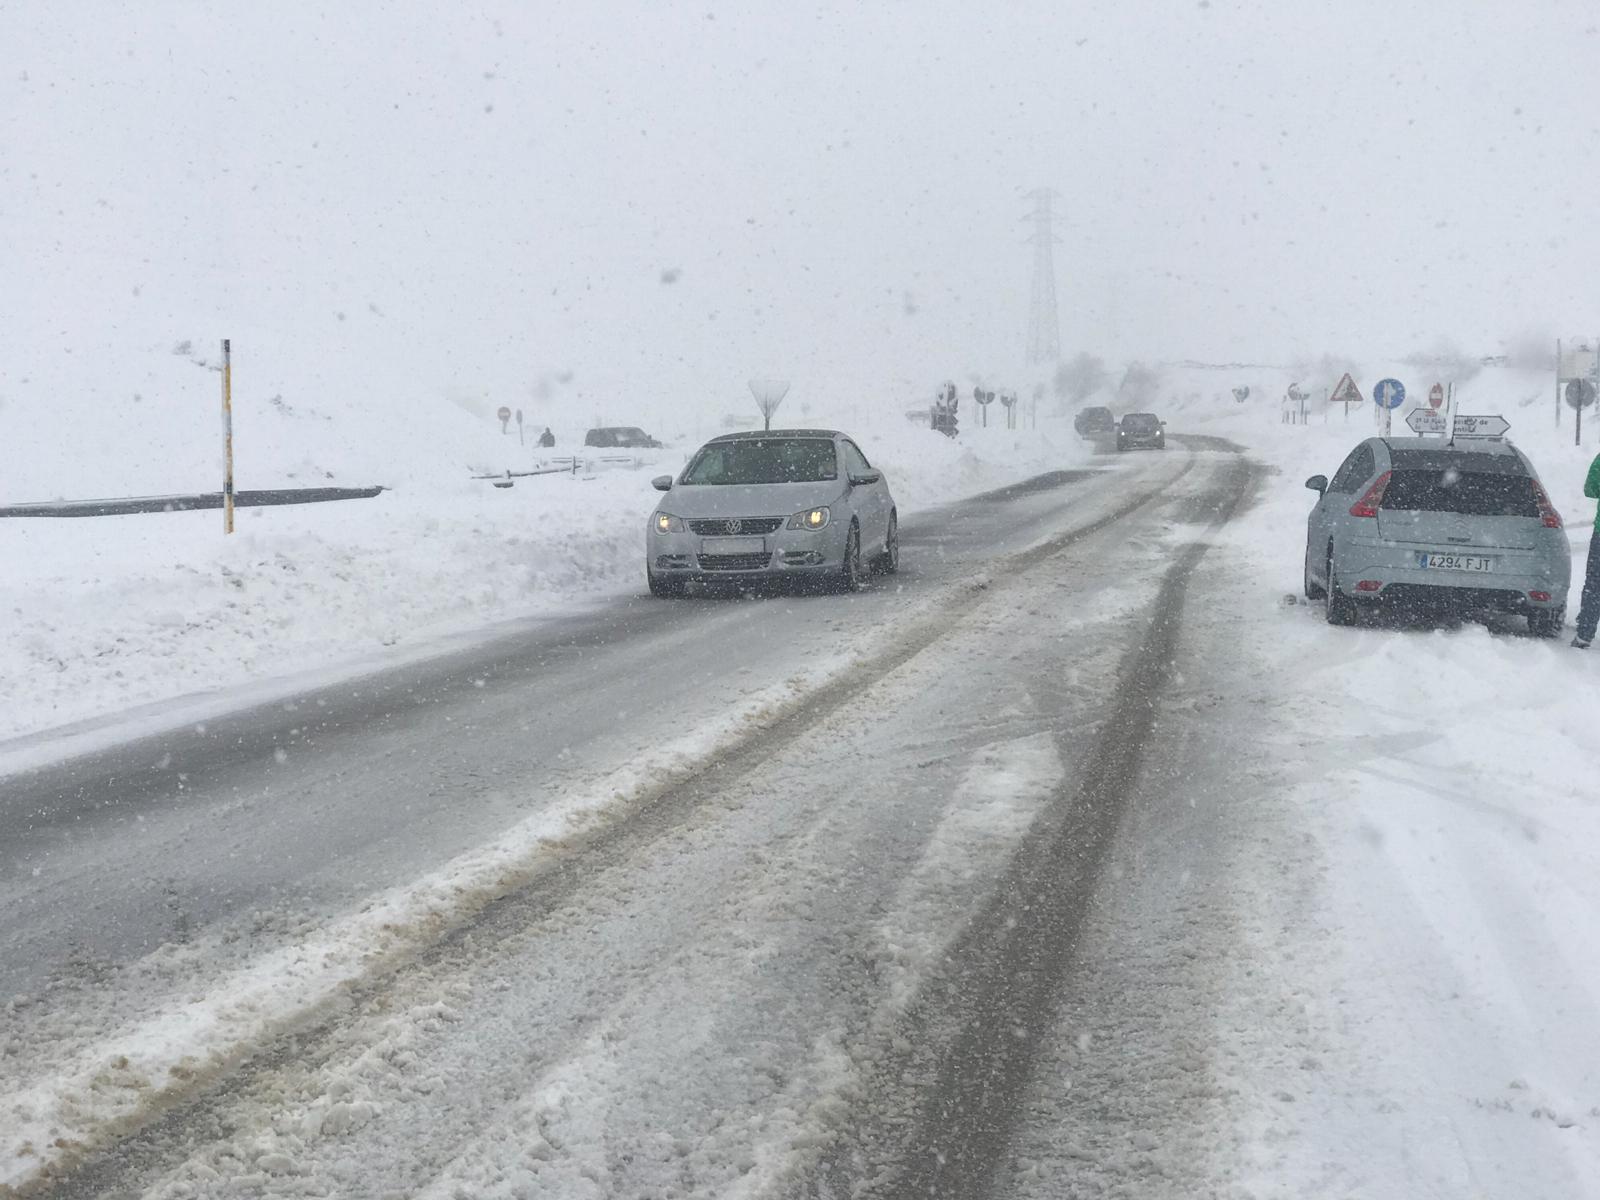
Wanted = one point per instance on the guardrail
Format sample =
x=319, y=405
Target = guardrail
x=129, y=505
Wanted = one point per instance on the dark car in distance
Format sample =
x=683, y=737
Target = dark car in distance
x=1141, y=429
x=620, y=437
x=1094, y=420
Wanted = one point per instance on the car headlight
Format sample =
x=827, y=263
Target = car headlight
x=666, y=523
x=812, y=518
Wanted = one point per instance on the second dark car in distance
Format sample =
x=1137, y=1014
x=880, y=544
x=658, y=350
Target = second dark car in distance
x=1096, y=419
x=620, y=437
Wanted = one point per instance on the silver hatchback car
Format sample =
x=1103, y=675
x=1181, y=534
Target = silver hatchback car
x=801, y=504
x=1463, y=526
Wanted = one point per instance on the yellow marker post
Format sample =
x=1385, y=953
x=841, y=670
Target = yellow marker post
x=227, y=436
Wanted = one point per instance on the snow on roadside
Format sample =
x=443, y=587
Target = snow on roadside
x=1437, y=793
x=106, y=613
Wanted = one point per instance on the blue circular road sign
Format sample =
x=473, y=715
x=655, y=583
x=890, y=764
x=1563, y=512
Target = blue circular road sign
x=1389, y=393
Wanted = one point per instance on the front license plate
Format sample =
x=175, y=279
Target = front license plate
x=1454, y=562
x=733, y=546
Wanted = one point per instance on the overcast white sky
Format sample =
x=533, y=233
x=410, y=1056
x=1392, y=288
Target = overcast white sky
x=492, y=191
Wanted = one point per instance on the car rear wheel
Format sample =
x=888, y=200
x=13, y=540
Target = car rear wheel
x=889, y=560
x=665, y=587
x=850, y=574
x=1547, y=622
x=1341, y=609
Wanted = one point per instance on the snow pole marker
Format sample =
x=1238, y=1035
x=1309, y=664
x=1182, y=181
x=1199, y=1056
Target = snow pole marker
x=227, y=435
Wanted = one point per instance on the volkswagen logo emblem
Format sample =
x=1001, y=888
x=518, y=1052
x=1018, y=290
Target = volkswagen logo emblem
x=733, y=526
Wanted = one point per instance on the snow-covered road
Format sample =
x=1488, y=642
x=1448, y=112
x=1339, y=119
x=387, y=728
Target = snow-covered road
x=174, y=904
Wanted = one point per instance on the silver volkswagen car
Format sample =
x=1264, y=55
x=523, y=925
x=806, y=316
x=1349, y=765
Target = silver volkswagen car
x=1463, y=526
x=801, y=504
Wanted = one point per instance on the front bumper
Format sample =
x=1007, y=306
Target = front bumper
x=1145, y=441
x=795, y=553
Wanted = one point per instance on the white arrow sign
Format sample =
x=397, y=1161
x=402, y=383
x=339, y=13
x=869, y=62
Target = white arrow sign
x=1481, y=427
x=1426, y=422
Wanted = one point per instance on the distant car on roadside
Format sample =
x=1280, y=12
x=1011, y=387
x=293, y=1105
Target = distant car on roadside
x=1141, y=429
x=620, y=437
x=791, y=504
x=1093, y=421
x=1460, y=527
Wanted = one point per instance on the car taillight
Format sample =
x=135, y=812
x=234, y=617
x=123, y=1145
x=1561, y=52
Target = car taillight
x=1367, y=506
x=1548, y=516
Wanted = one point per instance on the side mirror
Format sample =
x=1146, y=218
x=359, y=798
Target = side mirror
x=865, y=478
x=1318, y=483
x=662, y=483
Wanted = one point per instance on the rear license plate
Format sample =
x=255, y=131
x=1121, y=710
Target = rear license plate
x=733, y=546
x=1454, y=562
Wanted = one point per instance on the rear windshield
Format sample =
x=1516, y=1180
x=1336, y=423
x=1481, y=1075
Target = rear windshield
x=1140, y=421
x=764, y=460
x=1470, y=493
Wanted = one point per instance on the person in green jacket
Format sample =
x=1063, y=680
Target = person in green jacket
x=1589, y=608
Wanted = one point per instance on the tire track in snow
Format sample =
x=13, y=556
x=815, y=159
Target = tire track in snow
x=937, y=1118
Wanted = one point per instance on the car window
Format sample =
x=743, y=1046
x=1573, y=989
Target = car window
x=1358, y=467
x=854, y=461
x=1140, y=421
x=764, y=460
x=1469, y=493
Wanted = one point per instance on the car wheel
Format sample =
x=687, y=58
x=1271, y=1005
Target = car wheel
x=1547, y=622
x=665, y=588
x=1314, y=591
x=850, y=573
x=889, y=560
x=1341, y=609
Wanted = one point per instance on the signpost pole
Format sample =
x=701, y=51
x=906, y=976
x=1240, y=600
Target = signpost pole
x=1558, y=383
x=227, y=435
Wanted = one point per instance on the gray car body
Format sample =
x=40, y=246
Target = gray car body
x=1528, y=556
x=865, y=505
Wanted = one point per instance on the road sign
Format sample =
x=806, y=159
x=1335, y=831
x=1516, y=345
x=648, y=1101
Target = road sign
x=1436, y=395
x=1008, y=398
x=1389, y=393
x=1426, y=422
x=1580, y=393
x=1480, y=427
x=981, y=396
x=1241, y=393
x=504, y=414
x=1347, y=392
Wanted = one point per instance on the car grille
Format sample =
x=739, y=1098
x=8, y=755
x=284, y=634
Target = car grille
x=736, y=526
x=735, y=562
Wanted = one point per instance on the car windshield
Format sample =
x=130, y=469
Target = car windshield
x=1140, y=422
x=764, y=460
x=1468, y=493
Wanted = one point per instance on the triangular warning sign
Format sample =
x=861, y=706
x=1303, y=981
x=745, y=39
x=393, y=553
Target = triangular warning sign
x=1347, y=392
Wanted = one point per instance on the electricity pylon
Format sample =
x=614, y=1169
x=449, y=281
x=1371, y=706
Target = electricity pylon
x=1044, y=331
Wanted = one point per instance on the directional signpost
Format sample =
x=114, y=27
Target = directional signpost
x=1479, y=427
x=1425, y=422
x=984, y=399
x=1388, y=395
x=1580, y=394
